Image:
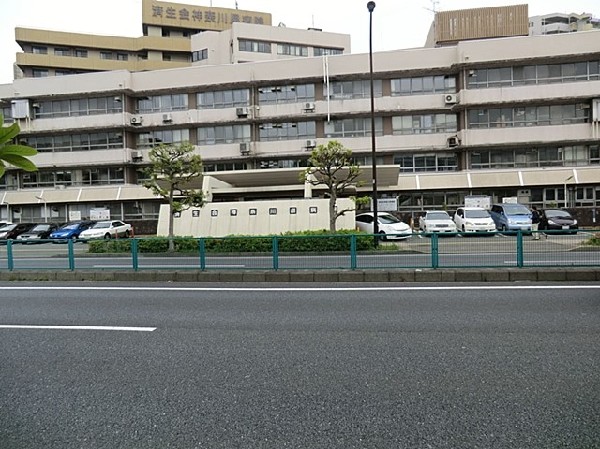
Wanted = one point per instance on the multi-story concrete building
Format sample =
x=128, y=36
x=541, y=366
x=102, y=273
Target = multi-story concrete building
x=562, y=23
x=166, y=42
x=510, y=117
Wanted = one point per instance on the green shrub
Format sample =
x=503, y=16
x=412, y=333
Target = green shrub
x=306, y=241
x=594, y=240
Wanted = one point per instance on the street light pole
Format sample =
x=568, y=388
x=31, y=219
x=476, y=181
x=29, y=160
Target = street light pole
x=371, y=7
x=567, y=192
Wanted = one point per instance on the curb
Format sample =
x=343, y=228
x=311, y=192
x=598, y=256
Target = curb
x=322, y=276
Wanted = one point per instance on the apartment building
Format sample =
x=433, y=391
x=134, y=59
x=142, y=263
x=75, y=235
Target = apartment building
x=508, y=117
x=166, y=42
x=562, y=23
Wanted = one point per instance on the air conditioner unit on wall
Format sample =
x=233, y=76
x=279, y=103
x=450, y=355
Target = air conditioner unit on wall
x=244, y=148
x=167, y=118
x=136, y=120
x=450, y=99
x=241, y=112
x=310, y=144
x=309, y=107
x=453, y=141
x=137, y=156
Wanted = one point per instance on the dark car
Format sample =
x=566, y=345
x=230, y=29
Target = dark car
x=558, y=220
x=37, y=234
x=70, y=231
x=12, y=231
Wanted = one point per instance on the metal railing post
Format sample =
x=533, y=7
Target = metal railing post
x=275, y=253
x=71, y=254
x=202, y=249
x=134, y=254
x=519, y=249
x=353, y=252
x=9, y=255
x=435, y=251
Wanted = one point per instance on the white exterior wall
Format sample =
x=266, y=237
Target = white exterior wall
x=216, y=219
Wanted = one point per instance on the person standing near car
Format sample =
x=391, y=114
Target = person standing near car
x=535, y=223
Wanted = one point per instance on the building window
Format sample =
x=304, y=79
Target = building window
x=528, y=116
x=322, y=51
x=423, y=85
x=557, y=156
x=122, y=56
x=200, y=55
x=290, y=93
x=162, y=103
x=254, y=46
x=424, y=124
x=106, y=55
x=77, y=107
x=339, y=90
x=169, y=136
x=533, y=74
x=39, y=73
x=38, y=50
x=215, y=135
x=292, y=50
x=76, y=142
x=62, y=52
x=223, y=99
x=286, y=131
x=353, y=127
x=80, y=53
x=434, y=162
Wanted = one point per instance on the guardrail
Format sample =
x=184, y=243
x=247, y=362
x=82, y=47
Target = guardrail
x=344, y=251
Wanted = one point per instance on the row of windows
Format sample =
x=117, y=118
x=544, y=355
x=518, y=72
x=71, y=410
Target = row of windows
x=200, y=55
x=254, y=46
x=162, y=103
x=353, y=127
x=78, y=107
x=60, y=51
x=292, y=50
x=221, y=99
x=424, y=124
x=576, y=155
x=426, y=162
x=533, y=74
x=61, y=177
x=76, y=142
x=168, y=136
x=423, y=85
x=528, y=116
x=293, y=93
x=337, y=90
x=287, y=131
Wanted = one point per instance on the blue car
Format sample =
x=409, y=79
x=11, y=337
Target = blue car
x=70, y=231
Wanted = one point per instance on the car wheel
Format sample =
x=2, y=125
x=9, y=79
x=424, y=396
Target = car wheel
x=107, y=236
x=382, y=235
x=127, y=234
x=503, y=228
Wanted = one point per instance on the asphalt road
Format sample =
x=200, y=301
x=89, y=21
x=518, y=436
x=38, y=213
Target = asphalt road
x=338, y=367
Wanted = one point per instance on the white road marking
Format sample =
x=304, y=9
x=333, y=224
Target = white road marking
x=86, y=328
x=173, y=288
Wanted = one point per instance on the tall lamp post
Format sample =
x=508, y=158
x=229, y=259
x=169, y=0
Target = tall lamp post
x=41, y=198
x=371, y=7
x=567, y=191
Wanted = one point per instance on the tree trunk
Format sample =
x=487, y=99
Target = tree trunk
x=171, y=222
x=332, y=212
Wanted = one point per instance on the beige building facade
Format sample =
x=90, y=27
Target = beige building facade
x=165, y=44
x=511, y=117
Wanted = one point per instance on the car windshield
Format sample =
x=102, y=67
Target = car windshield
x=476, y=213
x=8, y=228
x=41, y=227
x=438, y=216
x=102, y=225
x=70, y=226
x=515, y=209
x=557, y=213
x=388, y=219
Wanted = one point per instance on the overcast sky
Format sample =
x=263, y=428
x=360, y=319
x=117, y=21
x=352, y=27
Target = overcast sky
x=396, y=23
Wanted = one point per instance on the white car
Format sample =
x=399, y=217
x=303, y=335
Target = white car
x=107, y=230
x=474, y=219
x=436, y=221
x=387, y=224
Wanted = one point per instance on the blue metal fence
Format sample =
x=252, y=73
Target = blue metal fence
x=344, y=251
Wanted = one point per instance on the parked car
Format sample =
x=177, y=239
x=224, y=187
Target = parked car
x=511, y=217
x=12, y=231
x=38, y=233
x=107, y=230
x=558, y=220
x=474, y=219
x=387, y=224
x=70, y=231
x=436, y=221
